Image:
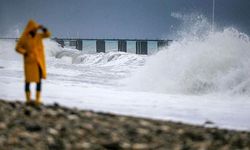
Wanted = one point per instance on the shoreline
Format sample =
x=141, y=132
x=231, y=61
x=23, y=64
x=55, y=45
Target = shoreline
x=58, y=127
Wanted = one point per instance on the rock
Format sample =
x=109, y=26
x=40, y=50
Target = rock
x=13, y=105
x=14, y=114
x=165, y=128
x=50, y=113
x=72, y=117
x=50, y=140
x=32, y=127
x=139, y=146
x=56, y=105
x=2, y=126
x=180, y=131
x=52, y=131
x=58, y=127
x=88, y=114
x=122, y=119
x=142, y=131
x=79, y=132
x=194, y=136
x=57, y=145
x=27, y=112
x=13, y=141
x=83, y=145
x=145, y=123
x=126, y=145
x=2, y=140
x=112, y=146
x=115, y=136
x=28, y=135
x=88, y=126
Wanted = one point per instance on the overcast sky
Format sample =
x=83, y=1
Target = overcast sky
x=117, y=18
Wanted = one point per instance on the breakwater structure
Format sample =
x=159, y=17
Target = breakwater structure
x=141, y=45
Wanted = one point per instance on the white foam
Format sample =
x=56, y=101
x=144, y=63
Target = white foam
x=199, y=62
x=216, y=62
x=7, y=50
x=104, y=59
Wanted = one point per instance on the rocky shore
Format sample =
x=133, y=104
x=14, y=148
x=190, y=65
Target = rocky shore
x=55, y=127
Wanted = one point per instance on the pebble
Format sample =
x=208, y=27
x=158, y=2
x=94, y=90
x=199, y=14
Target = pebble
x=112, y=145
x=142, y=131
x=88, y=114
x=29, y=135
x=126, y=145
x=140, y=146
x=79, y=132
x=165, y=128
x=83, y=145
x=2, y=126
x=50, y=140
x=50, y=112
x=88, y=126
x=32, y=127
x=52, y=131
x=72, y=117
x=180, y=131
x=145, y=123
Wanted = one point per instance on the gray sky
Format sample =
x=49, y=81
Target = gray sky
x=117, y=18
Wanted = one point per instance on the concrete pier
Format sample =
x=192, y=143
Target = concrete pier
x=79, y=44
x=122, y=45
x=100, y=46
x=142, y=47
x=140, y=44
x=162, y=43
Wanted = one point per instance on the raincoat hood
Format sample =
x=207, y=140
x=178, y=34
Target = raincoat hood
x=29, y=27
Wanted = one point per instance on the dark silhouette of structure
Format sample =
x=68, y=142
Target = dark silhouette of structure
x=141, y=44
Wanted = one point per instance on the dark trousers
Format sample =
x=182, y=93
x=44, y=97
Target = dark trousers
x=38, y=84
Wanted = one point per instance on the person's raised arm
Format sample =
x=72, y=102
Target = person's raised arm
x=45, y=33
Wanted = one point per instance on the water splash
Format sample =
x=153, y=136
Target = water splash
x=200, y=62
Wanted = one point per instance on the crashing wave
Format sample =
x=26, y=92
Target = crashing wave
x=107, y=59
x=212, y=62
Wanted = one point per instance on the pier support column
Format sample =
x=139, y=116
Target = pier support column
x=122, y=45
x=162, y=43
x=79, y=44
x=142, y=47
x=100, y=46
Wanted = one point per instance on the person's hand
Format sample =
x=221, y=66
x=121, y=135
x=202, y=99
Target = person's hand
x=43, y=28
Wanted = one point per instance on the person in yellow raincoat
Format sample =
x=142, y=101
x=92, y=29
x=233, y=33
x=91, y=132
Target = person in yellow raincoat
x=31, y=47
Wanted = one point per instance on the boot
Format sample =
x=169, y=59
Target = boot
x=28, y=100
x=38, y=98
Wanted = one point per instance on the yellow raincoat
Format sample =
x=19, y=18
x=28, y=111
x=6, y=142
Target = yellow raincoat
x=33, y=51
